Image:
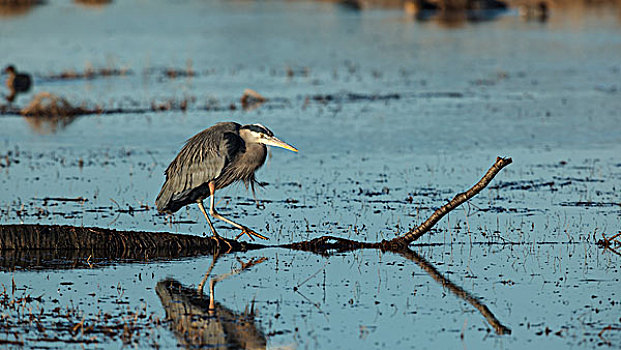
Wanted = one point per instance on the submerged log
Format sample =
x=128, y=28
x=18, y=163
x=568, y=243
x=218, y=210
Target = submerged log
x=117, y=243
x=65, y=247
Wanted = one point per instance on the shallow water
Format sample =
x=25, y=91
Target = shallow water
x=393, y=117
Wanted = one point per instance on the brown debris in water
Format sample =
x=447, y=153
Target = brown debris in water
x=47, y=113
x=93, y=2
x=32, y=319
x=251, y=99
x=10, y=8
x=89, y=73
x=46, y=104
x=188, y=72
x=173, y=104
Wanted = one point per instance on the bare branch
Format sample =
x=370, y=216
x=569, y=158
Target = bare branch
x=403, y=241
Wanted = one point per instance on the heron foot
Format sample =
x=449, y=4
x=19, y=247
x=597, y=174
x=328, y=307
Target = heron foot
x=250, y=233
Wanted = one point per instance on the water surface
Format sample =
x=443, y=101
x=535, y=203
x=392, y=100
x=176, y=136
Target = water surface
x=393, y=117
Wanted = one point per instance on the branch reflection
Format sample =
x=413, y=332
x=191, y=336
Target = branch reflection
x=457, y=290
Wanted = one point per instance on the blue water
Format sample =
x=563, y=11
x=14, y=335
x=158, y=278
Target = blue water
x=438, y=105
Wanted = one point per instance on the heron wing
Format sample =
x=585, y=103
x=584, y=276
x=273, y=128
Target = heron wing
x=202, y=159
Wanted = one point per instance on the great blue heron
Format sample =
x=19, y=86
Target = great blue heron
x=213, y=159
x=16, y=82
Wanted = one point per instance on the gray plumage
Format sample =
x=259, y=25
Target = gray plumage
x=218, y=156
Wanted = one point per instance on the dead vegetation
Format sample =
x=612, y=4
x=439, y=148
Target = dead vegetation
x=10, y=10
x=45, y=104
x=28, y=319
x=251, y=99
x=47, y=113
x=93, y=2
x=89, y=73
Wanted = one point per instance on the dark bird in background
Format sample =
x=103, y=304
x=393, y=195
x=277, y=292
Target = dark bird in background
x=213, y=159
x=16, y=82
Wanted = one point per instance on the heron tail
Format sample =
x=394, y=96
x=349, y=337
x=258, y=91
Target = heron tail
x=164, y=201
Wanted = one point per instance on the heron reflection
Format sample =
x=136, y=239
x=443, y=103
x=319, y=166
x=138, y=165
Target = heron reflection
x=200, y=321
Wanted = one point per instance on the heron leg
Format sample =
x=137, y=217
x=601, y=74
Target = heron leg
x=200, y=205
x=215, y=236
x=214, y=213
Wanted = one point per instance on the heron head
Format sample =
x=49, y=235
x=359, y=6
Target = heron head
x=258, y=133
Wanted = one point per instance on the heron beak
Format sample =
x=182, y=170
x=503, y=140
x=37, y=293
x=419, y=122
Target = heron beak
x=273, y=141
